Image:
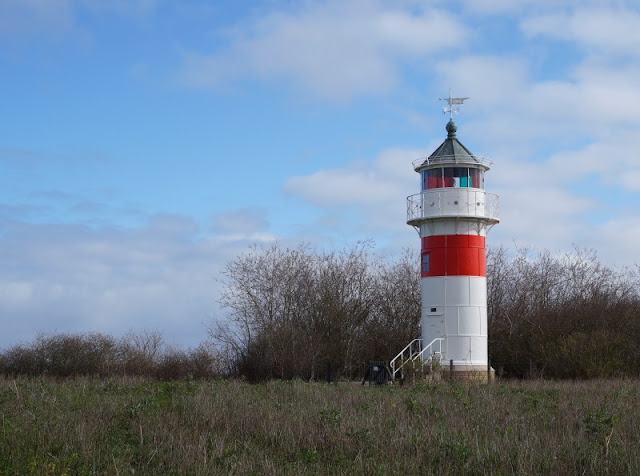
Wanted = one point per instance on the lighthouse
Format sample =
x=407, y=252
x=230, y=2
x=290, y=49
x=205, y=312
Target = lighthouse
x=452, y=214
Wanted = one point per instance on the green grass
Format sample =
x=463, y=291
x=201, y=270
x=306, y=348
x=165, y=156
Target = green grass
x=86, y=426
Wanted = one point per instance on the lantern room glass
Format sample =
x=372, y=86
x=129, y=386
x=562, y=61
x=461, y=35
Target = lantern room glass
x=443, y=177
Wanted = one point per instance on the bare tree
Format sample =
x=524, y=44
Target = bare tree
x=267, y=293
x=139, y=351
x=565, y=315
x=395, y=319
x=292, y=312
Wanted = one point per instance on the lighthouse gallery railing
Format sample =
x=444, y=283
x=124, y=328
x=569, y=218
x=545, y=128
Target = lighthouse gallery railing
x=453, y=202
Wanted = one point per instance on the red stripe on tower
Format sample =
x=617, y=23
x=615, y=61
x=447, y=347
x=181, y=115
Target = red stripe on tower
x=453, y=255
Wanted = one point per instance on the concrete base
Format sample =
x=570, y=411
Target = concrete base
x=469, y=373
x=461, y=373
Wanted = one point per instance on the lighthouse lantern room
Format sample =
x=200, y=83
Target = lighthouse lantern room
x=452, y=214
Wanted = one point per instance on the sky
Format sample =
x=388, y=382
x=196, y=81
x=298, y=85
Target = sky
x=145, y=143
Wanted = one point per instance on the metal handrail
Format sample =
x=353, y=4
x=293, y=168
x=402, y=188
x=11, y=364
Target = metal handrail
x=413, y=356
x=451, y=159
x=453, y=202
x=433, y=352
x=408, y=347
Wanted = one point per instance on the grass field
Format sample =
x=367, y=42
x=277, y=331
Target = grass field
x=92, y=426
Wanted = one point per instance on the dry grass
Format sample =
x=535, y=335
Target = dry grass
x=87, y=426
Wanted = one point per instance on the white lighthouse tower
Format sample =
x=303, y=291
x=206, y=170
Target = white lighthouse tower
x=452, y=213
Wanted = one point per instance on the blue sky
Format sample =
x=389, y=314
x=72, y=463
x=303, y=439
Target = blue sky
x=144, y=143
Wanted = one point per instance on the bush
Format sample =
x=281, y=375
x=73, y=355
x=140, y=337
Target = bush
x=562, y=316
x=63, y=355
x=293, y=312
x=94, y=354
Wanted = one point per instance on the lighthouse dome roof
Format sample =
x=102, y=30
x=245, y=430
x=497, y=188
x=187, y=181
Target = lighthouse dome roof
x=451, y=151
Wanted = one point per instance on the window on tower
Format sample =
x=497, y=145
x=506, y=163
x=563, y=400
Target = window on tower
x=449, y=180
x=477, y=178
x=432, y=179
x=461, y=176
x=425, y=263
x=465, y=177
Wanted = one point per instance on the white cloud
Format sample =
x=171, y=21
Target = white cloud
x=617, y=240
x=336, y=49
x=16, y=294
x=491, y=81
x=494, y=7
x=610, y=159
x=545, y=214
x=537, y=7
x=68, y=278
x=363, y=200
x=240, y=221
x=630, y=179
x=387, y=178
x=28, y=18
x=613, y=31
x=34, y=20
x=574, y=196
x=592, y=102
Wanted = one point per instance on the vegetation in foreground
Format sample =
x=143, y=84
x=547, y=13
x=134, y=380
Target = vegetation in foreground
x=125, y=426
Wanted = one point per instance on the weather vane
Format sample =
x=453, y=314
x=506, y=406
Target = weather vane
x=451, y=101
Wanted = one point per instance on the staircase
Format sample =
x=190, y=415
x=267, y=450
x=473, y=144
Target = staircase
x=413, y=352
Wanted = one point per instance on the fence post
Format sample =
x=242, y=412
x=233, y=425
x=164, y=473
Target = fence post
x=451, y=370
x=488, y=370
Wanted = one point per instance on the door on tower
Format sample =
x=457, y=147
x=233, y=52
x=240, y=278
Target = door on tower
x=432, y=325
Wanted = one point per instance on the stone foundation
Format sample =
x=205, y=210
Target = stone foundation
x=469, y=373
x=461, y=373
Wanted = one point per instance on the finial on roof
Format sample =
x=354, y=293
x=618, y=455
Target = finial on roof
x=451, y=129
x=451, y=101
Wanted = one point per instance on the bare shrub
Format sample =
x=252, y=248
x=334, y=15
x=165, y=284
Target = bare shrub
x=204, y=362
x=22, y=360
x=173, y=364
x=294, y=312
x=139, y=352
x=565, y=316
x=136, y=354
x=63, y=355
x=178, y=364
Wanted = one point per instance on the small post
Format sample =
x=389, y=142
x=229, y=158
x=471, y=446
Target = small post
x=451, y=370
x=530, y=368
x=488, y=370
